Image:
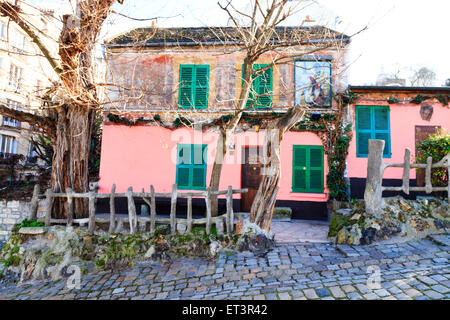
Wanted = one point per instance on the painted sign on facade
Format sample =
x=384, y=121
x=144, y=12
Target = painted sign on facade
x=313, y=81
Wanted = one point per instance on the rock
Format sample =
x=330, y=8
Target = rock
x=181, y=227
x=87, y=239
x=34, y=231
x=342, y=236
x=442, y=224
x=344, y=212
x=214, y=248
x=368, y=235
x=239, y=227
x=356, y=216
x=150, y=252
x=260, y=245
x=350, y=236
x=405, y=206
x=50, y=236
x=355, y=235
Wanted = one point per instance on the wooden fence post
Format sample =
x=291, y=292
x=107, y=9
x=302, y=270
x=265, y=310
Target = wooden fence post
x=91, y=227
x=48, y=209
x=173, y=209
x=230, y=216
x=112, y=210
x=375, y=168
x=189, y=214
x=131, y=211
x=152, y=209
x=69, y=206
x=428, y=185
x=208, y=210
x=34, y=202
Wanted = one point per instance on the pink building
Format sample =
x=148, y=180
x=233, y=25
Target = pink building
x=403, y=117
x=180, y=76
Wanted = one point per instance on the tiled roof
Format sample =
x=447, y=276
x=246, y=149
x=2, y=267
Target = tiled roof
x=195, y=36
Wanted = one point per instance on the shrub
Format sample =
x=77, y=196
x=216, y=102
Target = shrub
x=436, y=146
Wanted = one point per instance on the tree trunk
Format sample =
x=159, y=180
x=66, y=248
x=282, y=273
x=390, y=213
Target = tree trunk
x=261, y=211
x=217, y=170
x=71, y=157
x=222, y=140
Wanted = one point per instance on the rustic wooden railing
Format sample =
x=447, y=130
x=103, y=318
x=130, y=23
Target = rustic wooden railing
x=133, y=219
x=375, y=171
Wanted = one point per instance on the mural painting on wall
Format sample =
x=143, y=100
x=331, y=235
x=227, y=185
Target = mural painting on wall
x=313, y=81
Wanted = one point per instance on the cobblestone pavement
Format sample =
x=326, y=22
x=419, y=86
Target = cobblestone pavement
x=300, y=231
x=410, y=270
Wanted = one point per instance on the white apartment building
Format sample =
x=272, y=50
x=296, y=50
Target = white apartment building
x=24, y=75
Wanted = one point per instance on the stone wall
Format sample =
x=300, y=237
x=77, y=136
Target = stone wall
x=12, y=212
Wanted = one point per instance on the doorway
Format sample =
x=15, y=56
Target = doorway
x=250, y=175
x=422, y=133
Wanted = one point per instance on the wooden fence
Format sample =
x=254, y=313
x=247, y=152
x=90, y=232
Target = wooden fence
x=133, y=219
x=376, y=167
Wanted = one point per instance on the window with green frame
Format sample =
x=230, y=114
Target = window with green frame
x=194, y=86
x=261, y=88
x=308, y=169
x=372, y=122
x=191, y=166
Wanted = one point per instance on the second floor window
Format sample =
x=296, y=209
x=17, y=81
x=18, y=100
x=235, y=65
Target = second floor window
x=313, y=83
x=8, y=144
x=260, y=96
x=15, y=76
x=194, y=86
x=10, y=122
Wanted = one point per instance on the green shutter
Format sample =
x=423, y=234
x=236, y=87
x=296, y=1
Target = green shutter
x=363, y=130
x=194, y=86
x=201, y=86
x=308, y=169
x=185, y=96
x=382, y=130
x=261, y=85
x=316, y=169
x=264, y=86
x=191, y=166
x=372, y=122
x=299, y=171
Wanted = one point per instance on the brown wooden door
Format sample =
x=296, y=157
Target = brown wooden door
x=250, y=175
x=422, y=133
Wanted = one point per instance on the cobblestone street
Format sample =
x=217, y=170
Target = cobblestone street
x=409, y=270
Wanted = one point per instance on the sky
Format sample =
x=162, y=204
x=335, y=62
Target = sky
x=402, y=35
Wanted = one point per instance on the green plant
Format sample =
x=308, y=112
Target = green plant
x=436, y=146
x=29, y=223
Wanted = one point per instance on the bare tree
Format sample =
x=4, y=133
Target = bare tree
x=74, y=104
x=258, y=32
x=423, y=77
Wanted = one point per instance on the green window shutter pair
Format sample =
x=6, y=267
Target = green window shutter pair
x=308, y=169
x=261, y=88
x=372, y=122
x=194, y=86
x=191, y=166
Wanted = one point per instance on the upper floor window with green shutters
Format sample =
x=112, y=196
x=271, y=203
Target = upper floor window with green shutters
x=308, y=169
x=372, y=122
x=191, y=166
x=194, y=86
x=261, y=91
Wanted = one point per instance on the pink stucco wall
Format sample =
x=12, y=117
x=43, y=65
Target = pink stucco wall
x=403, y=119
x=138, y=156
